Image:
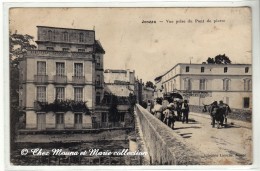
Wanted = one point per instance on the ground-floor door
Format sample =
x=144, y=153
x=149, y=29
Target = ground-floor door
x=41, y=121
x=60, y=120
x=78, y=120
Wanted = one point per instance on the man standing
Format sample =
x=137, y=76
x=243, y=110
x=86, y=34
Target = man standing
x=185, y=111
x=223, y=110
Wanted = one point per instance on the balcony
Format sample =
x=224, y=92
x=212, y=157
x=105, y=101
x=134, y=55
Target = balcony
x=60, y=79
x=46, y=53
x=41, y=79
x=78, y=79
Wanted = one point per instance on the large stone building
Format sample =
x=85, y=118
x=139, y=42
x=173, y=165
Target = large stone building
x=64, y=72
x=205, y=83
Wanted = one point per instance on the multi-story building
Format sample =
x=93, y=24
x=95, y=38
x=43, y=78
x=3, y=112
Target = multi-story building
x=205, y=83
x=66, y=69
x=120, y=82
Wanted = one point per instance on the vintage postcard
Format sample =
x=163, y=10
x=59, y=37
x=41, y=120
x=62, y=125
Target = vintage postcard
x=130, y=86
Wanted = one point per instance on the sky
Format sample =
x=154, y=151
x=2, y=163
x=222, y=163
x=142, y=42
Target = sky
x=150, y=49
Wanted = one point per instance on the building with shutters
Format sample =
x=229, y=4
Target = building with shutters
x=205, y=83
x=58, y=78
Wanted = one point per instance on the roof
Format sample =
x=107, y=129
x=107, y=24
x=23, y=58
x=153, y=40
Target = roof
x=206, y=64
x=116, y=71
x=66, y=28
x=99, y=48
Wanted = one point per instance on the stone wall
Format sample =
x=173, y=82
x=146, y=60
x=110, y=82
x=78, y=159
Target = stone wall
x=163, y=144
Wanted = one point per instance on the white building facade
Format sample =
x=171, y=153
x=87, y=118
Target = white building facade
x=67, y=66
x=205, y=83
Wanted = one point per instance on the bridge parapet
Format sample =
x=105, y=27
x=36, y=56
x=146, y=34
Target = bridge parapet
x=164, y=145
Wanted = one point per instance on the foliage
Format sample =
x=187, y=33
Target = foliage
x=219, y=59
x=19, y=45
x=113, y=115
x=149, y=84
x=63, y=106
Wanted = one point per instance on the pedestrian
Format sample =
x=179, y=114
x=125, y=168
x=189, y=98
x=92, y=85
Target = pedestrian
x=157, y=110
x=169, y=117
x=224, y=109
x=185, y=111
x=178, y=110
x=149, y=106
x=213, y=112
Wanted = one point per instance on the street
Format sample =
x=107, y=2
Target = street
x=225, y=146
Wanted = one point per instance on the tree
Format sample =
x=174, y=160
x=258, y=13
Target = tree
x=19, y=45
x=219, y=59
x=149, y=84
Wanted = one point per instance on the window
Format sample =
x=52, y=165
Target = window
x=187, y=84
x=247, y=84
x=78, y=69
x=78, y=94
x=65, y=36
x=98, y=80
x=78, y=118
x=81, y=50
x=187, y=69
x=202, y=84
x=50, y=35
x=122, y=117
x=98, y=98
x=41, y=68
x=202, y=69
x=103, y=117
x=226, y=84
x=81, y=37
x=246, y=69
x=60, y=93
x=60, y=68
x=50, y=48
x=59, y=118
x=98, y=60
x=65, y=49
x=41, y=93
x=246, y=102
x=225, y=69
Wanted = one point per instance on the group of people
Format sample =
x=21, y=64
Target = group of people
x=169, y=111
x=218, y=113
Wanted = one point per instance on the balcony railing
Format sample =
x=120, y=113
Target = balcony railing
x=62, y=79
x=40, y=78
x=46, y=53
x=78, y=79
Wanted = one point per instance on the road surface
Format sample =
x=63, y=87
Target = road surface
x=230, y=146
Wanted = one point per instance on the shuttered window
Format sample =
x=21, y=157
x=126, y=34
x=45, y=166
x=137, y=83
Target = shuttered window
x=41, y=93
x=60, y=93
x=78, y=94
x=60, y=68
x=41, y=68
x=78, y=69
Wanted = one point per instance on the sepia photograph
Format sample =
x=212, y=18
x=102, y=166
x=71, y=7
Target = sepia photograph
x=107, y=86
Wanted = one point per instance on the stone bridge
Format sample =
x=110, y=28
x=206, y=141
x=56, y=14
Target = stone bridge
x=195, y=143
x=163, y=145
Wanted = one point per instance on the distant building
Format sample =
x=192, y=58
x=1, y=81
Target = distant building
x=148, y=94
x=158, y=92
x=205, y=83
x=68, y=65
x=119, y=82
